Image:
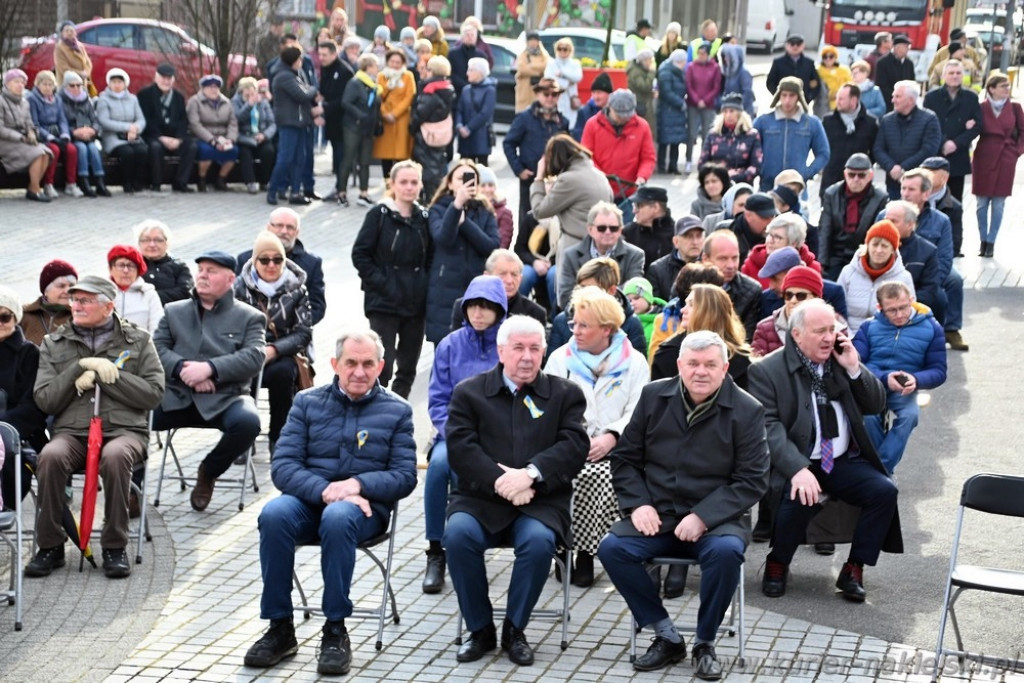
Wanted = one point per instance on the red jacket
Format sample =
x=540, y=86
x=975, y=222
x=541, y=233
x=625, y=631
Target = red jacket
x=758, y=255
x=628, y=154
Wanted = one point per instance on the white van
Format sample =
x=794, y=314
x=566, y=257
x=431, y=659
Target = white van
x=768, y=24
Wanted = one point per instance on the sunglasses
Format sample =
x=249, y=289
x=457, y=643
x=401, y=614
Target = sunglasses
x=827, y=58
x=6, y=318
x=267, y=260
x=799, y=296
x=607, y=228
x=857, y=174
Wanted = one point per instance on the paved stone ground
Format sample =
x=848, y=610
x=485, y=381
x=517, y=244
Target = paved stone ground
x=191, y=609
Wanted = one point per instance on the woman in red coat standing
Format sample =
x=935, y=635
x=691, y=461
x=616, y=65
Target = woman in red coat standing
x=995, y=157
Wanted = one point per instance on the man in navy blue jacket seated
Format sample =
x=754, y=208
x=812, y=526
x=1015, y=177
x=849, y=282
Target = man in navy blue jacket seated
x=345, y=457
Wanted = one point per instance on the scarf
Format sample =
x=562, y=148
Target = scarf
x=97, y=337
x=81, y=96
x=695, y=411
x=817, y=381
x=849, y=119
x=875, y=273
x=612, y=362
x=11, y=97
x=365, y=79
x=997, y=105
x=268, y=289
x=852, y=220
x=72, y=44
x=394, y=77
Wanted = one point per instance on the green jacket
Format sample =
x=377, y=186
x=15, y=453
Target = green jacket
x=647, y=319
x=124, y=405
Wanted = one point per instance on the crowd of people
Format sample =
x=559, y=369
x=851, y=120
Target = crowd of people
x=579, y=347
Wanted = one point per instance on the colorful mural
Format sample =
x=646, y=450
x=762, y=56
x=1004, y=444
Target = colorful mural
x=576, y=13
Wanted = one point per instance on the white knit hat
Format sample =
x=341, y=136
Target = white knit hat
x=9, y=300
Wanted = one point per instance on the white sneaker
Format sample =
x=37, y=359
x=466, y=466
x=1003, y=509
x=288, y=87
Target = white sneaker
x=50, y=191
x=252, y=188
x=689, y=167
x=73, y=191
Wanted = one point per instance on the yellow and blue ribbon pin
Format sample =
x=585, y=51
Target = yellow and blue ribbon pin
x=361, y=437
x=535, y=412
x=123, y=358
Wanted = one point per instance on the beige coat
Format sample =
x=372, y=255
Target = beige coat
x=66, y=59
x=15, y=123
x=569, y=199
x=396, y=142
x=527, y=67
x=207, y=123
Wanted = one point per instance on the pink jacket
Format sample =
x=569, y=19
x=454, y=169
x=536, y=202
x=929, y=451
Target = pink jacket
x=703, y=82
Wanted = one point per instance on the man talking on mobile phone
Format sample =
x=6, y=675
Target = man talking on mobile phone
x=905, y=348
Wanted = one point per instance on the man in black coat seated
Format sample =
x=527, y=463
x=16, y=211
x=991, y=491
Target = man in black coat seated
x=722, y=251
x=687, y=244
x=166, y=130
x=652, y=227
x=815, y=396
x=687, y=468
x=506, y=264
x=850, y=130
x=285, y=223
x=848, y=209
x=516, y=441
x=794, y=63
x=943, y=198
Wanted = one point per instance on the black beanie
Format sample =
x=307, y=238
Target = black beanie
x=603, y=82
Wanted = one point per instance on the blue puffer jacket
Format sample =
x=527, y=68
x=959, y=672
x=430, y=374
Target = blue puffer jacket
x=330, y=437
x=785, y=144
x=459, y=255
x=49, y=117
x=527, y=137
x=735, y=77
x=465, y=352
x=476, y=112
x=585, y=113
x=671, y=104
x=919, y=347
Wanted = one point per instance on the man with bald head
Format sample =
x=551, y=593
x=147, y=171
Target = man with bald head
x=722, y=250
x=285, y=223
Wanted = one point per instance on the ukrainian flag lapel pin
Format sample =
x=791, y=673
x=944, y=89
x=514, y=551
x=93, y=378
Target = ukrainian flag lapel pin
x=535, y=412
x=361, y=437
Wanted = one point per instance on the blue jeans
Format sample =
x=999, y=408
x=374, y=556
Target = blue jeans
x=891, y=445
x=530, y=280
x=953, y=285
x=288, y=521
x=435, y=491
x=89, y=158
x=720, y=559
x=988, y=231
x=291, y=155
x=465, y=541
x=308, y=183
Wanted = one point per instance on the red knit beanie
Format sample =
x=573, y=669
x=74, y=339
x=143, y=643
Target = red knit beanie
x=129, y=252
x=53, y=270
x=804, y=277
x=886, y=230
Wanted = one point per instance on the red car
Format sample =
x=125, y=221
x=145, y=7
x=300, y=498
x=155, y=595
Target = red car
x=137, y=46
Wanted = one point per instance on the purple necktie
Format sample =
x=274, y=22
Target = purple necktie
x=827, y=461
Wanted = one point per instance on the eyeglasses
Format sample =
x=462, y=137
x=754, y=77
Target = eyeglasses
x=83, y=301
x=549, y=93
x=152, y=240
x=896, y=310
x=799, y=296
x=857, y=174
x=124, y=265
x=775, y=237
x=73, y=85
x=608, y=228
x=284, y=226
x=267, y=260
x=6, y=318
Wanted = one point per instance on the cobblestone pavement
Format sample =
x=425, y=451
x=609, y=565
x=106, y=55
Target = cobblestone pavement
x=190, y=610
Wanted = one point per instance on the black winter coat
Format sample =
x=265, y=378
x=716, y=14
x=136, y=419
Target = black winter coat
x=835, y=246
x=434, y=103
x=289, y=318
x=171, y=277
x=745, y=293
x=392, y=255
x=888, y=72
x=907, y=140
x=541, y=425
x=803, y=68
x=921, y=259
x=313, y=266
x=19, y=362
x=656, y=241
x=333, y=79
x=361, y=108
x=954, y=115
x=173, y=122
x=843, y=145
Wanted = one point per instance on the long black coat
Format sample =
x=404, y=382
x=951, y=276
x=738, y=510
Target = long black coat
x=836, y=246
x=487, y=425
x=781, y=383
x=955, y=114
x=888, y=72
x=802, y=67
x=716, y=468
x=843, y=145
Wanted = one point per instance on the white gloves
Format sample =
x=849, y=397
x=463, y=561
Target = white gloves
x=85, y=382
x=105, y=370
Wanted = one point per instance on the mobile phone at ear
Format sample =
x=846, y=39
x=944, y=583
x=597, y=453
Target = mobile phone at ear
x=838, y=346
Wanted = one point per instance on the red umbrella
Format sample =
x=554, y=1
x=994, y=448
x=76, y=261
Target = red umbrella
x=92, y=473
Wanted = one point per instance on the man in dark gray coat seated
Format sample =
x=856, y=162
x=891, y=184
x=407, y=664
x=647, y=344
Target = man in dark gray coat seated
x=516, y=441
x=211, y=347
x=689, y=465
x=345, y=457
x=824, y=450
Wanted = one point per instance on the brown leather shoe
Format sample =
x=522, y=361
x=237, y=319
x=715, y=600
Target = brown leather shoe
x=203, y=490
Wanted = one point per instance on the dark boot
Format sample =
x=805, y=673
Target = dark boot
x=433, y=581
x=583, y=571
x=276, y=644
x=990, y=249
x=851, y=582
x=675, y=580
x=101, y=186
x=85, y=187
x=983, y=248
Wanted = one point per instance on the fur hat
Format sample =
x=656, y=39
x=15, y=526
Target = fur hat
x=794, y=85
x=53, y=270
x=804, y=278
x=129, y=252
x=886, y=230
x=119, y=73
x=267, y=241
x=9, y=300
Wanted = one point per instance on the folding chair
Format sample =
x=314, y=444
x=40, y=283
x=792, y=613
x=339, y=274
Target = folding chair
x=994, y=494
x=12, y=520
x=565, y=567
x=380, y=612
x=142, y=530
x=249, y=469
x=735, y=624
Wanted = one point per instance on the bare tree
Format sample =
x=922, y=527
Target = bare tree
x=12, y=17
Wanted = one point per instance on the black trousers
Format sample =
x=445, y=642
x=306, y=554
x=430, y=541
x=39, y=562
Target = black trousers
x=186, y=153
x=403, y=356
x=266, y=152
x=279, y=380
x=132, y=159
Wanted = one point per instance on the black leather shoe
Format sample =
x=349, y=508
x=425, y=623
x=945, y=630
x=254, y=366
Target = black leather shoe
x=824, y=548
x=334, y=656
x=773, y=583
x=433, y=581
x=705, y=662
x=478, y=644
x=182, y=188
x=45, y=561
x=311, y=194
x=299, y=200
x=115, y=563
x=513, y=641
x=851, y=582
x=675, y=580
x=276, y=644
x=660, y=654
x=583, y=570
x=220, y=184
